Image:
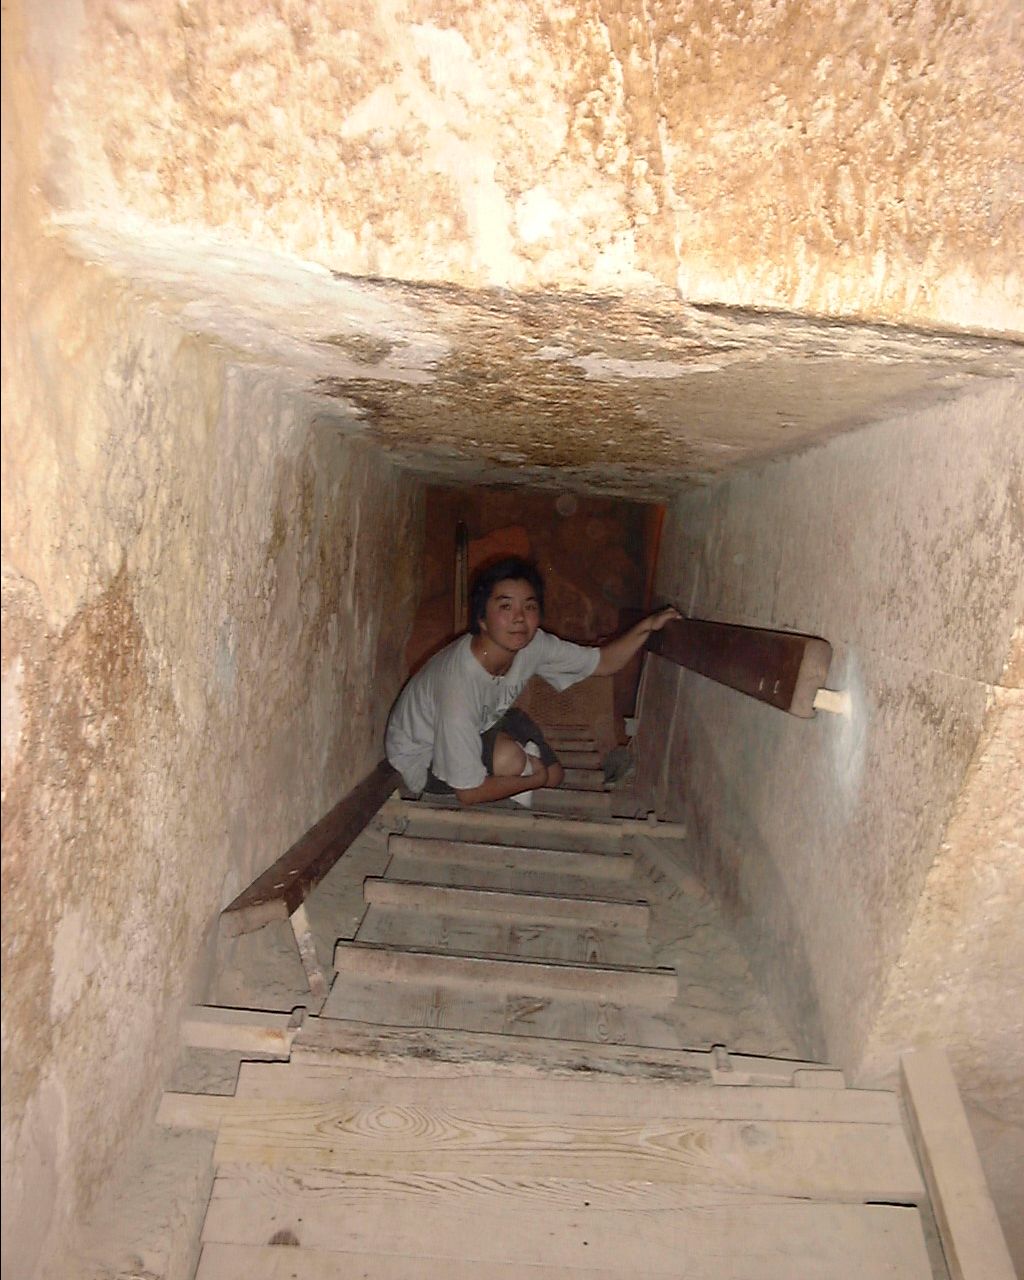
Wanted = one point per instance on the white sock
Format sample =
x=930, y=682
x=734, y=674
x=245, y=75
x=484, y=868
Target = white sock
x=525, y=798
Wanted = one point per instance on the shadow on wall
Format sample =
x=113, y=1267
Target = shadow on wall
x=685, y=776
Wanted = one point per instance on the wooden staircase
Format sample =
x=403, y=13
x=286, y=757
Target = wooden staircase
x=500, y=1084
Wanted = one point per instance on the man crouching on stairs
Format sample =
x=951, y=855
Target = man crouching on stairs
x=454, y=730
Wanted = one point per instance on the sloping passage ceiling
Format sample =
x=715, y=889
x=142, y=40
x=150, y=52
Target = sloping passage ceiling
x=467, y=227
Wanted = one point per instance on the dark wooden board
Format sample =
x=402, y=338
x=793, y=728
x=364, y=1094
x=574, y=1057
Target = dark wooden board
x=778, y=667
x=286, y=884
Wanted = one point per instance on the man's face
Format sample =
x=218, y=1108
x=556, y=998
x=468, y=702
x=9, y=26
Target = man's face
x=512, y=615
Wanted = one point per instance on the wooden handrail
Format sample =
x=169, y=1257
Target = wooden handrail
x=781, y=668
x=284, y=886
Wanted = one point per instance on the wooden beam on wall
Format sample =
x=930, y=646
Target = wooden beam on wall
x=284, y=886
x=778, y=667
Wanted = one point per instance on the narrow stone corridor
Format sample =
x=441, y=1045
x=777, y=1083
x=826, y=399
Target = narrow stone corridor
x=542, y=1053
x=313, y=311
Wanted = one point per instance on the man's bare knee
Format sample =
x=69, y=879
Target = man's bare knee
x=509, y=759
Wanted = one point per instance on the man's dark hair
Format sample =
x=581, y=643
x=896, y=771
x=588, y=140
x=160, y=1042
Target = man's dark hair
x=489, y=577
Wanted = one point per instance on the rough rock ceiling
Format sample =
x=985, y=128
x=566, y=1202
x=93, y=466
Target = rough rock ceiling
x=634, y=395
x=556, y=177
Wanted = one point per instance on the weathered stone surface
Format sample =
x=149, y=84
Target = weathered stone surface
x=206, y=599
x=878, y=891
x=841, y=159
x=469, y=227
x=631, y=395
x=243, y=243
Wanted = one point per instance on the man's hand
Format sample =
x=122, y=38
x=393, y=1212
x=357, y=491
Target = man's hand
x=617, y=653
x=657, y=620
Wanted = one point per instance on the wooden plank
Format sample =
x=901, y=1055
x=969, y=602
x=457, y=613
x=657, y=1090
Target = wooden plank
x=579, y=758
x=582, y=1095
x=255, y=1262
x=778, y=667
x=972, y=1238
x=651, y=851
x=498, y=876
x=478, y=934
x=508, y=904
x=192, y=1110
x=529, y=828
x=621, y=1229
x=245, y=1030
x=364, y=1044
x=426, y=965
x=306, y=943
x=284, y=886
x=515, y=857
x=585, y=779
x=538, y=1019
x=848, y=1162
x=564, y=800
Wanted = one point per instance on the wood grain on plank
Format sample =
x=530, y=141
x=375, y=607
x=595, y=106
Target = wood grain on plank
x=585, y=779
x=585, y=1095
x=824, y=1161
x=498, y=876
x=248, y=1030
x=423, y=965
x=781, y=668
x=476, y=933
x=972, y=1238
x=611, y=865
x=513, y=825
x=575, y=757
x=626, y=1229
x=542, y=1020
x=550, y=908
x=192, y=1110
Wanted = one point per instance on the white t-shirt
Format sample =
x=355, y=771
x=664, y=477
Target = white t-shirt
x=446, y=706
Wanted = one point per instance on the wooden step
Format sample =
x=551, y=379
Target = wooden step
x=516, y=857
x=523, y=827
x=851, y=1163
x=566, y=800
x=361, y=1042
x=579, y=759
x=585, y=779
x=423, y=965
x=422, y=1227
x=552, y=909
x=463, y=875
x=478, y=933
x=537, y=1019
x=584, y=1094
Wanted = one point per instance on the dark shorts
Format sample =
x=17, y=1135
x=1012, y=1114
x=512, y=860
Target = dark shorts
x=519, y=727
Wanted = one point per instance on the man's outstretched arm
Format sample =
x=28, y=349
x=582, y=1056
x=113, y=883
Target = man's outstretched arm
x=616, y=653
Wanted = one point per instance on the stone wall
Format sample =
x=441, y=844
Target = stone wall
x=823, y=157
x=873, y=917
x=206, y=602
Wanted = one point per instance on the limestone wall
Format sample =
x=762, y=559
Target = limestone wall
x=902, y=545
x=206, y=602
x=848, y=159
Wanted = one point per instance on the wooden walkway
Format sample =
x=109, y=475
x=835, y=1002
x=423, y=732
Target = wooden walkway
x=498, y=1085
